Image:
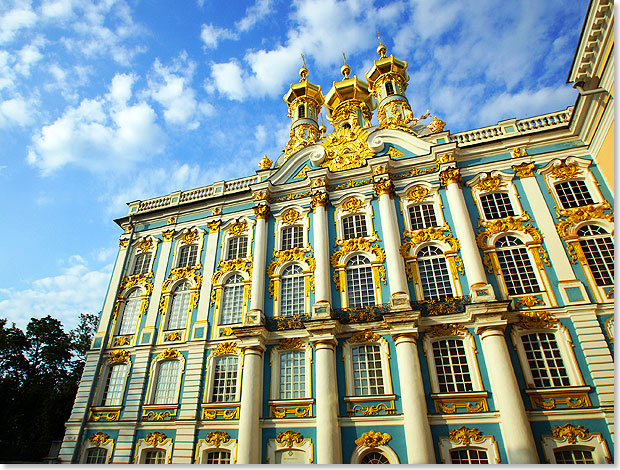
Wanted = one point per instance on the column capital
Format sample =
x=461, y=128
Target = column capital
x=168, y=235
x=384, y=186
x=404, y=337
x=261, y=212
x=319, y=199
x=449, y=176
x=524, y=170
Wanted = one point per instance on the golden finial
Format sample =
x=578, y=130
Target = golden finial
x=322, y=128
x=381, y=50
x=303, y=72
x=345, y=70
x=265, y=163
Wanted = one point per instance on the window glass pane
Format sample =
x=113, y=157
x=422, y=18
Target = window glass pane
x=292, y=236
x=374, y=457
x=367, y=370
x=573, y=194
x=451, y=366
x=232, y=300
x=360, y=289
x=434, y=276
x=179, y=307
x=573, y=456
x=225, y=379
x=496, y=205
x=188, y=255
x=143, y=261
x=292, y=374
x=96, y=455
x=155, y=456
x=237, y=248
x=292, y=292
x=115, y=382
x=516, y=267
x=217, y=457
x=598, y=248
x=166, y=384
x=422, y=216
x=129, y=317
x=389, y=88
x=354, y=226
x=468, y=455
x=544, y=360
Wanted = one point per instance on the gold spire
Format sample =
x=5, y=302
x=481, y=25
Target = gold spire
x=345, y=70
x=303, y=72
x=381, y=50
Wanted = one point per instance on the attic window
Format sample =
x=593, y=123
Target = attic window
x=389, y=88
x=301, y=111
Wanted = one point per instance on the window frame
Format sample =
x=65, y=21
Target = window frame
x=210, y=373
x=354, y=204
x=594, y=442
x=303, y=284
x=448, y=267
x=359, y=267
x=522, y=245
x=361, y=451
x=142, y=447
x=154, y=376
x=125, y=359
x=107, y=445
x=487, y=443
x=286, y=347
x=203, y=446
x=235, y=228
x=494, y=181
x=417, y=194
x=384, y=350
x=217, y=297
x=583, y=173
x=141, y=246
x=165, y=309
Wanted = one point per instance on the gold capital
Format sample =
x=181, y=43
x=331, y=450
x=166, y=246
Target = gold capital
x=449, y=176
x=261, y=212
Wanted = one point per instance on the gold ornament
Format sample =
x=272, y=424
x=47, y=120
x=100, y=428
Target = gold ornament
x=172, y=220
x=524, y=170
x=168, y=234
x=145, y=245
x=99, y=438
x=121, y=340
x=302, y=173
x=318, y=183
x=214, y=225
x=189, y=237
x=265, y=163
x=448, y=329
x=445, y=158
x=239, y=264
x=123, y=244
x=364, y=337
x=379, y=170
x=491, y=227
x=565, y=171
x=225, y=348
x=490, y=183
x=346, y=149
x=228, y=331
x=290, y=217
x=436, y=125
x=373, y=439
x=291, y=343
x=300, y=136
x=217, y=211
x=174, y=336
x=134, y=280
x=537, y=320
x=359, y=244
x=465, y=435
x=318, y=199
x=186, y=272
x=155, y=438
x=570, y=433
x=518, y=152
x=394, y=153
x=238, y=228
x=449, y=176
x=127, y=228
x=289, y=438
x=418, y=194
x=415, y=237
x=216, y=438
x=292, y=254
x=261, y=212
x=575, y=215
x=529, y=301
x=262, y=196
x=118, y=357
x=353, y=204
x=384, y=187
x=169, y=353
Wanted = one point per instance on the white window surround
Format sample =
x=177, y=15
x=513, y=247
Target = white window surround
x=227, y=234
x=203, y=446
x=210, y=372
x=361, y=450
x=166, y=308
x=470, y=352
x=487, y=443
x=142, y=447
x=344, y=207
x=298, y=216
x=450, y=257
x=179, y=242
x=584, y=175
x=141, y=246
x=594, y=443
x=494, y=182
x=217, y=297
x=277, y=284
x=117, y=319
x=385, y=365
x=341, y=275
x=154, y=371
x=108, y=445
x=275, y=370
x=103, y=377
x=274, y=447
x=408, y=199
x=565, y=345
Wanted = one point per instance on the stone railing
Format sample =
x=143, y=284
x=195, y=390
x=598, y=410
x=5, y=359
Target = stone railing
x=513, y=127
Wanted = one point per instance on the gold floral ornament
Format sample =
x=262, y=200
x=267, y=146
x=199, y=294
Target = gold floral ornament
x=465, y=435
x=364, y=337
x=123, y=243
x=169, y=353
x=145, y=245
x=529, y=301
x=261, y=212
x=172, y=220
x=490, y=183
x=138, y=280
x=415, y=237
x=292, y=254
x=173, y=336
x=575, y=215
x=262, y=196
x=518, y=152
x=418, y=194
x=238, y=228
x=447, y=329
x=226, y=348
x=318, y=183
x=565, y=171
x=189, y=237
x=570, y=433
x=291, y=343
x=155, y=438
x=373, y=439
x=445, y=158
x=265, y=163
x=289, y=438
x=537, y=320
x=217, y=211
x=168, y=234
x=379, y=170
x=346, y=149
x=214, y=225
x=121, y=340
x=524, y=170
x=368, y=245
x=99, y=438
x=449, y=176
x=384, y=187
x=318, y=199
x=290, y=217
x=436, y=125
x=216, y=438
x=118, y=357
x=353, y=204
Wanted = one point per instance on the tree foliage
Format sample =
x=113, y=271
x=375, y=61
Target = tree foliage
x=39, y=373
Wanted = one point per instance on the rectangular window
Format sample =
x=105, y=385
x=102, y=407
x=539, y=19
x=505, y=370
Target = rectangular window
x=292, y=375
x=573, y=456
x=573, y=193
x=354, y=226
x=217, y=457
x=451, y=366
x=96, y=455
x=225, y=379
x=292, y=237
x=155, y=457
x=113, y=391
x=496, y=205
x=422, y=216
x=143, y=261
x=468, y=456
x=544, y=360
x=367, y=370
x=187, y=256
x=166, y=383
x=237, y=248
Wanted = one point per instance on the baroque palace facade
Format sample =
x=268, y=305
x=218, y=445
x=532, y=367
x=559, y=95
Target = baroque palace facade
x=380, y=294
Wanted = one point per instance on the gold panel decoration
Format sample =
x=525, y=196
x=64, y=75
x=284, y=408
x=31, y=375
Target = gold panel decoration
x=173, y=336
x=265, y=163
x=214, y=225
x=127, y=228
x=476, y=406
x=518, y=152
x=373, y=439
x=158, y=415
x=353, y=204
x=118, y=357
x=289, y=438
x=238, y=228
x=124, y=243
x=384, y=187
x=99, y=438
x=122, y=341
x=168, y=235
x=155, y=438
x=366, y=336
x=565, y=171
x=190, y=237
x=415, y=237
x=575, y=215
x=169, y=353
x=537, y=320
x=346, y=149
x=446, y=158
x=447, y=329
x=107, y=415
x=289, y=197
x=261, y=212
x=418, y=194
x=372, y=410
x=227, y=413
x=216, y=438
x=379, y=170
x=299, y=137
x=525, y=170
x=226, y=348
x=302, y=173
x=449, y=176
x=297, y=411
x=291, y=216
x=239, y=264
x=465, y=435
x=490, y=183
x=134, y=280
x=318, y=199
x=291, y=343
x=436, y=125
x=529, y=301
x=552, y=400
x=318, y=183
x=228, y=331
x=145, y=245
x=570, y=433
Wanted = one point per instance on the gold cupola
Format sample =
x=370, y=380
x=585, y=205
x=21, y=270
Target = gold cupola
x=387, y=80
x=304, y=101
x=349, y=103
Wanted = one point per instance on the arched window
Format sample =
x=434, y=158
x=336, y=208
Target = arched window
x=374, y=457
x=598, y=248
x=451, y=366
x=516, y=266
x=292, y=236
x=155, y=456
x=216, y=456
x=237, y=248
x=292, y=295
x=389, y=88
x=166, y=383
x=434, y=275
x=573, y=193
x=114, y=385
x=367, y=370
x=180, y=306
x=129, y=317
x=545, y=360
x=225, y=379
x=354, y=226
x=292, y=374
x=143, y=261
x=96, y=455
x=468, y=455
x=232, y=300
x=187, y=256
x=301, y=111
x=360, y=290
x=496, y=205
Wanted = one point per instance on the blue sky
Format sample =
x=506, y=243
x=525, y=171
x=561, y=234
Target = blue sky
x=106, y=102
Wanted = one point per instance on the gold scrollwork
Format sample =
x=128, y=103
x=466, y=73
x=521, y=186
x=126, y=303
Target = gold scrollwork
x=172, y=220
x=291, y=216
x=228, y=331
x=226, y=348
x=214, y=225
x=289, y=438
x=465, y=435
x=123, y=243
x=570, y=217
x=524, y=170
x=238, y=264
x=292, y=254
x=173, y=336
x=291, y=343
x=152, y=415
x=490, y=183
x=550, y=403
x=118, y=357
x=168, y=235
x=359, y=244
x=297, y=411
x=565, y=171
x=265, y=163
x=373, y=439
x=418, y=194
x=366, y=336
x=238, y=228
x=217, y=438
x=145, y=245
x=109, y=416
x=447, y=329
x=449, y=176
x=261, y=212
x=346, y=149
x=190, y=237
x=537, y=320
x=122, y=341
x=134, y=280
x=570, y=433
x=224, y=413
x=318, y=199
x=353, y=204
x=373, y=410
x=384, y=187
x=185, y=272
x=155, y=438
x=529, y=301
x=169, y=353
x=475, y=406
x=518, y=152
x=415, y=237
x=99, y=438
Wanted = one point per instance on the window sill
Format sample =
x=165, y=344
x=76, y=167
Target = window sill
x=461, y=402
x=571, y=397
x=370, y=405
x=291, y=408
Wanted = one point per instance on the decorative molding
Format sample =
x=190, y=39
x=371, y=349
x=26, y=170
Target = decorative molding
x=366, y=336
x=465, y=435
x=186, y=272
x=145, y=244
x=238, y=228
x=291, y=216
x=217, y=438
x=418, y=194
x=214, y=225
x=415, y=237
x=436, y=125
x=280, y=257
x=565, y=171
x=570, y=433
x=373, y=439
x=524, y=170
x=173, y=336
x=353, y=204
x=155, y=438
x=168, y=235
x=168, y=353
x=529, y=301
x=134, y=280
x=384, y=187
x=570, y=217
x=238, y=264
x=359, y=244
x=537, y=320
x=261, y=212
x=518, y=152
x=229, y=347
x=123, y=243
x=449, y=176
x=447, y=329
x=98, y=439
x=189, y=237
x=262, y=196
x=318, y=199
x=291, y=343
x=346, y=149
x=490, y=183
x=122, y=340
x=289, y=438
x=118, y=357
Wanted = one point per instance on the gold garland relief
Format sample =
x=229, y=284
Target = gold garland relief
x=98, y=439
x=353, y=204
x=570, y=433
x=490, y=183
x=190, y=237
x=145, y=245
x=564, y=171
x=373, y=439
x=465, y=435
x=118, y=357
x=226, y=348
x=169, y=353
x=418, y=194
x=537, y=320
x=448, y=329
x=238, y=228
x=524, y=170
x=346, y=148
x=155, y=438
x=217, y=438
x=289, y=438
x=291, y=216
x=364, y=337
x=291, y=343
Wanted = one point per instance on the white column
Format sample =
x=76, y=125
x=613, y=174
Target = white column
x=321, y=250
x=328, y=444
x=249, y=445
x=391, y=239
x=474, y=269
x=257, y=297
x=160, y=276
x=418, y=436
x=515, y=426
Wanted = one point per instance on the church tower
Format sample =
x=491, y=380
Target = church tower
x=349, y=102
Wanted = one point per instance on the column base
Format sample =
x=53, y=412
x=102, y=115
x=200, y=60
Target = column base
x=322, y=310
x=400, y=301
x=481, y=292
x=254, y=317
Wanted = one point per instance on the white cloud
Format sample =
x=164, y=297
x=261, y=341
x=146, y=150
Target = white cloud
x=13, y=20
x=57, y=9
x=228, y=79
x=16, y=111
x=120, y=89
x=254, y=14
x=211, y=35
